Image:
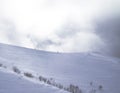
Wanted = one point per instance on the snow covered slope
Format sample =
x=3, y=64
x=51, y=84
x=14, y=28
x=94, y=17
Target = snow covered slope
x=93, y=73
x=10, y=83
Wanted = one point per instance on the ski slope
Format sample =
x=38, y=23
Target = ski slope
x=89, y=71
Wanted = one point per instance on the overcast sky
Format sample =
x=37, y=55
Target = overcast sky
x=62, y=25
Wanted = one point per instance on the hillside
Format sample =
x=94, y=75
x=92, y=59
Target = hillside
x=92, y=73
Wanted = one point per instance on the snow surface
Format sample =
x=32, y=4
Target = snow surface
x=66, y=68
x=10, y=83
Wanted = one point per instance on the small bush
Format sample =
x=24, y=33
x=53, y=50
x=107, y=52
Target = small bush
x=16, y=70
x=48, y=82
x=100, y=87
x=66, y=89
x=91, y=83
x=74, y=89
x=40, y=78
x=54, y=84
x=43, y=79
x=28, y=75
x=1, y=65
x=51, y=81
x=60, y=86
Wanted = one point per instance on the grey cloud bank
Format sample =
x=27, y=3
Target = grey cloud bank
x=109, y=30
x=66, y=26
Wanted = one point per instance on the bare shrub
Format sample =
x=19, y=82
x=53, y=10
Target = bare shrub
x=91, y=83
x=74, y=89
x=43, y=79
x=54, y=84
x=49, y=82
x=100, y=87
x=66, y=89
x=1, y=65
x=60, y=86
x=16, y=70
x=40, y=78
x=27, y=74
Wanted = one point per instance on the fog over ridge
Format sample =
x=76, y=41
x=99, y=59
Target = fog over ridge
x=65, y=26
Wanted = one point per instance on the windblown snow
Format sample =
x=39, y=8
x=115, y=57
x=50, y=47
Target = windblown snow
x=25, y=70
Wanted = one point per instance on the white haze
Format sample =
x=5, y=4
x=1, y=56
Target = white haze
x=55, y=25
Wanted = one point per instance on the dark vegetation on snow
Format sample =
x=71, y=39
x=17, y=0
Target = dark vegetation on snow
x=50, y=81
x=27, y=74
x=16, y=70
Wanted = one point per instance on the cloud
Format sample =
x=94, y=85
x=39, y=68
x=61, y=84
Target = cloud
x=67, y=31
x=42, y=43
x=69, y=38
x=58, y=25
x=8, y=32
x=109, y=30
x=74, y=38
